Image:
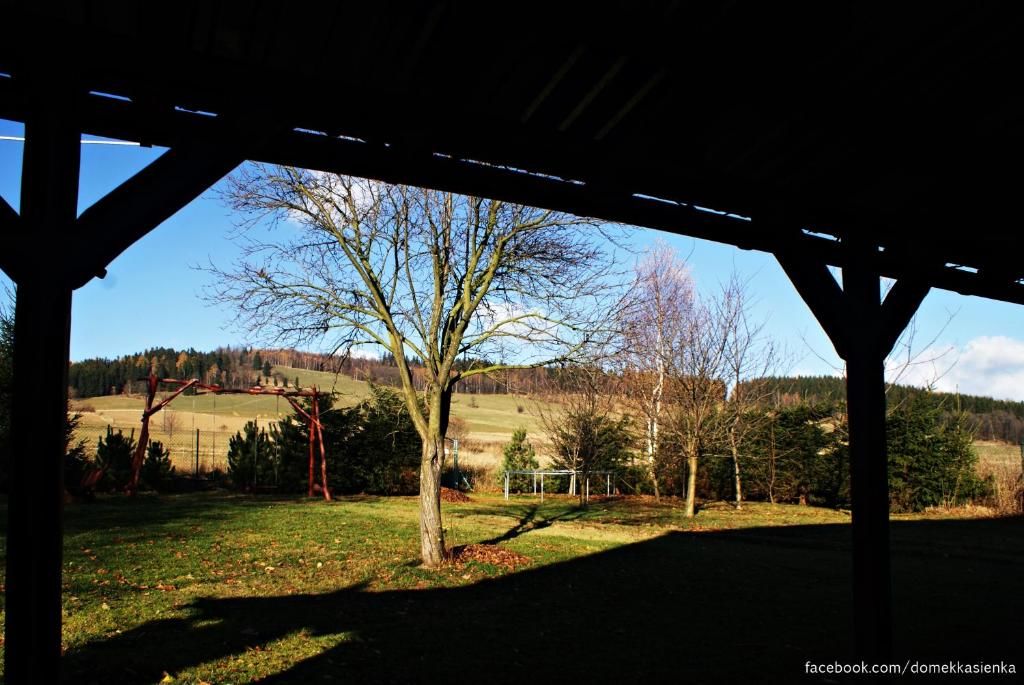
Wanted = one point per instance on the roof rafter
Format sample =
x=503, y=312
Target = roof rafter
x=145, y=200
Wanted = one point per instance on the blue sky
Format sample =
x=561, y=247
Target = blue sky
x=151, y=295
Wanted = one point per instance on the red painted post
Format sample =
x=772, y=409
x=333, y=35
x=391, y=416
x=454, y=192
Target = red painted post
x=310, y=423
x=140, y=449
x=323, y=452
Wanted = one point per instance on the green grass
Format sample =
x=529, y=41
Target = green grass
x=220, y=588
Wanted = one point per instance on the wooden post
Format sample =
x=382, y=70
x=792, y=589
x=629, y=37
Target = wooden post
x=42, y=333
x=869, y=477
x=863, y=330
x=140, y=448
x=323, y=451
x=542, y=487
x=310, y=424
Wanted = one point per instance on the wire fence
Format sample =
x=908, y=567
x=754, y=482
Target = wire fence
x=192, y=452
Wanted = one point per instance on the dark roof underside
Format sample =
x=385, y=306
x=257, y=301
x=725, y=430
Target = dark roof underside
x=906, y=125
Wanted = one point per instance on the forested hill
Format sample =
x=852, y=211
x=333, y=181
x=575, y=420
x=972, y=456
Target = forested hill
x=242, y=367
x=990, y=418
x=233, y=367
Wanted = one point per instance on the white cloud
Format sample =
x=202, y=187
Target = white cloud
x=992, y=366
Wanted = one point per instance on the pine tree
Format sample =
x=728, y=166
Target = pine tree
x=114, y=457
x=157, y=469
x=518, y=455
x=252, y=458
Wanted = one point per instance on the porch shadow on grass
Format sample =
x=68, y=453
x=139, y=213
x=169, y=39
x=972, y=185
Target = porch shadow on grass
x=731, y=606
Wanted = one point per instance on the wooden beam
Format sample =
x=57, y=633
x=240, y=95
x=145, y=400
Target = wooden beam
x=10, y=225
x=8, y=217
x=143, y=202
x=42, y=330
x=822, y=294
x=606, y=200
x=899, y=306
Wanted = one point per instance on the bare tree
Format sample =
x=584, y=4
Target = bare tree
x=654, y=328
x=750, y=358
x=698, y=379
x=423, y=275
x=171, y=422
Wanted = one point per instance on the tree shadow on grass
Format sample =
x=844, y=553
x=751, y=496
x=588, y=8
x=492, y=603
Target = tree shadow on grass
x=529, y=521
x=731, y=606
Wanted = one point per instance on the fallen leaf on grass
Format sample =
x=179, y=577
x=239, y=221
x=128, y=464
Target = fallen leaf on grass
x=450, y=495
x=489, y=554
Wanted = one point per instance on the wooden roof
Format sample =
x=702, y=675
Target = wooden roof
x=780, y=129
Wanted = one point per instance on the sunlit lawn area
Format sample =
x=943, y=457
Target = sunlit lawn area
x=222, y=588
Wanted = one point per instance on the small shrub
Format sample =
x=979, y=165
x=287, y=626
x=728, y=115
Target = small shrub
x=252, y=458
x=76, y=464
x=157, y=470
x=520, y=409
x=518, y=455
x=114, y=457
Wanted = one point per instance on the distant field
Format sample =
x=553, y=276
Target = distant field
x=491, y=419
x=997, y=453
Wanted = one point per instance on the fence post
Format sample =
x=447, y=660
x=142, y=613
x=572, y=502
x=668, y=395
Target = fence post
x=542, y=487
x=197, y=453
x=608, y=484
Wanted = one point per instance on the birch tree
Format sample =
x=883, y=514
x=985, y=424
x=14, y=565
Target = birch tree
x=422, y=275
x=654, y=330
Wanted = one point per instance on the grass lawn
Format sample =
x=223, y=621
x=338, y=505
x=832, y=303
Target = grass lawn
x=221, y=588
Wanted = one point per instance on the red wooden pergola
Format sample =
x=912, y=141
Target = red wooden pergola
x=882, y=140
x=311, y=417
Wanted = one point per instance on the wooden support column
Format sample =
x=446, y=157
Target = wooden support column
x=869, y=474
x=863, y=330
x=48, y=251
x=42, y=330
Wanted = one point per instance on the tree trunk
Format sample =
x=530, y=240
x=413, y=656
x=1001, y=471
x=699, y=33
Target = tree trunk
x=691, y=484
x=432, y=547
x=736, y=467
x=652, y=444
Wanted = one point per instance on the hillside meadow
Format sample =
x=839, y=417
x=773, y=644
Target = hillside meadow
x=490, y=419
